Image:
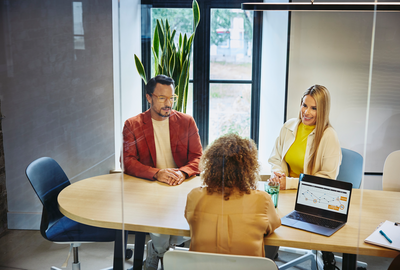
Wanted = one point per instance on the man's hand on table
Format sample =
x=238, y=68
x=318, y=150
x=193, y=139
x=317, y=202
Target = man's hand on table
x=171, y=176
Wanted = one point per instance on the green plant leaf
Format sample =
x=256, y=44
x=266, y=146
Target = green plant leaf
x=173, y=35
x=167, y=29
x=160, y=71
x=177, y=69
x=160, y=34
x=172, y=64
x=140, y=68
x=184, y=49
x=156, y=43
x=180, y=42
x=196, y=14
x=185, y=95
x=163, y=25
x=168, y=58
x=181, y=84
x=172, y=40
x=189, y=45
x=155, y=61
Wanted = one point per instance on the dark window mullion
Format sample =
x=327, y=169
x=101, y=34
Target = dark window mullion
x=201, y=70
x=146, y=48
x=256, y=77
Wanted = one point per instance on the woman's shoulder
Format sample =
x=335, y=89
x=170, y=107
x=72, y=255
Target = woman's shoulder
x=262, y=199
x=330, y=137
x=259, y=193
x=330, y=132
x=196, y=193
x=291, y=123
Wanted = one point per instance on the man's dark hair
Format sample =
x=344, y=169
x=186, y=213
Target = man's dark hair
x=165, y=80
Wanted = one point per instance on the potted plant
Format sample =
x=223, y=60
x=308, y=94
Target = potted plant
x=172, y=59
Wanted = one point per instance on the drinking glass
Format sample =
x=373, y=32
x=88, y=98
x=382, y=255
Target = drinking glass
x=272, y=188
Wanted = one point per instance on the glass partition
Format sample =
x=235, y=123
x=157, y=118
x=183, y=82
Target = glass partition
x=68, y=83
x=57, y=111
x=339, y=50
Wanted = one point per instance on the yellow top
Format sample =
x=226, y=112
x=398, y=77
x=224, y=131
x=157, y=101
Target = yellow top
x=295, y=155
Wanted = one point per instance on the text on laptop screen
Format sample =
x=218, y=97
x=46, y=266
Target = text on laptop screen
x=323, y=197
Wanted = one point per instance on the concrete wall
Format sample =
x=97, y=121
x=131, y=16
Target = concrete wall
x=57, y=100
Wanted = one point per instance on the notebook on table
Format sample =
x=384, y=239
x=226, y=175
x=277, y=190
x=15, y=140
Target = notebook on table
x=386, y=235
x=322, y=205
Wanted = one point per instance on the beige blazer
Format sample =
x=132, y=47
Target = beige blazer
x=329, y=154
x=236, y=226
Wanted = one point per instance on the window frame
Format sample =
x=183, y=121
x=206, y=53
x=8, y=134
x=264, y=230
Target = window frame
x=201, y=61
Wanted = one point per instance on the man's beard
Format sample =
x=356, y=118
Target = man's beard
x=164, y=115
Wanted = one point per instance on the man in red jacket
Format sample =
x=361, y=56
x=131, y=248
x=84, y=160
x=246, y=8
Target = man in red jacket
x=164, y=145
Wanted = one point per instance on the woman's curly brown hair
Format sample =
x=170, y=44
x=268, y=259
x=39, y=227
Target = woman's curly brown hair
x=230, y=162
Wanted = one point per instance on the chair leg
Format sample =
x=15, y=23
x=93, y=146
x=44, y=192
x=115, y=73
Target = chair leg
x=307, y=255
x=76, y=265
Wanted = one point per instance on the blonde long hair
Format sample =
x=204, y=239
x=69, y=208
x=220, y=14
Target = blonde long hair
x=323, y=101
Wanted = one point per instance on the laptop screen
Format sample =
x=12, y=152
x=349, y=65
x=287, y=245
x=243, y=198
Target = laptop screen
x=323, y=197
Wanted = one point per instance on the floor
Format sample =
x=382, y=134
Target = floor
x=28, y=250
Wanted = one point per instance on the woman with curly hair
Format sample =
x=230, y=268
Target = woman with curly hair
x=229, y=215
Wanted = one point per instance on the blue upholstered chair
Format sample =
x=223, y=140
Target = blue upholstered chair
x=351, y=169
x=48, y=179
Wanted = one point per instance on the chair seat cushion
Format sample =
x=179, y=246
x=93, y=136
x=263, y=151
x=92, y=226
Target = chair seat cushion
x=67, y=230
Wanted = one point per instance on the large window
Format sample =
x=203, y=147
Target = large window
x=231, y=48
x=224, y=82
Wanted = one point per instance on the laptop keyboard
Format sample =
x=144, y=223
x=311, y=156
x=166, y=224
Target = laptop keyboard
x=314, y=220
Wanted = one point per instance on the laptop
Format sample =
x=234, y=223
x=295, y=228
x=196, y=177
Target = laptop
x=322, y=205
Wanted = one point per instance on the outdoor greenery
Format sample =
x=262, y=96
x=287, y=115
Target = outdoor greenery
x=179, y=19
x=229, y=105
x=172, y=59
x=221, y=19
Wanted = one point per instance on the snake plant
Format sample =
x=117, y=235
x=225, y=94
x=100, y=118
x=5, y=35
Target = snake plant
x=172, y=59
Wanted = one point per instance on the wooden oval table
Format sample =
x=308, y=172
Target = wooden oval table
x=123, y=202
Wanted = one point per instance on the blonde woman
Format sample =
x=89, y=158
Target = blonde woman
x=229, y=215
x=307, y=144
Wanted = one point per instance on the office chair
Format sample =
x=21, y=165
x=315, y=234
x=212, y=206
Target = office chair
x=351, y=168
x=182, y=260
x=351, y=171
x=48, y=179
x=390, y=180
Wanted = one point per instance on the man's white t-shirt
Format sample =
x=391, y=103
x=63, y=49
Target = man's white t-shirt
x=163, y=144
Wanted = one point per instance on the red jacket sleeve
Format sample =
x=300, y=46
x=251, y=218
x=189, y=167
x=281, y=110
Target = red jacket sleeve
x=188, y=156
x=136, y=153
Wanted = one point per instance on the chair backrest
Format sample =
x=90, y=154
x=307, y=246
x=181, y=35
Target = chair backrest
x=47, y=179
x=390, y=178
x=351, y=169
x=179, y=260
